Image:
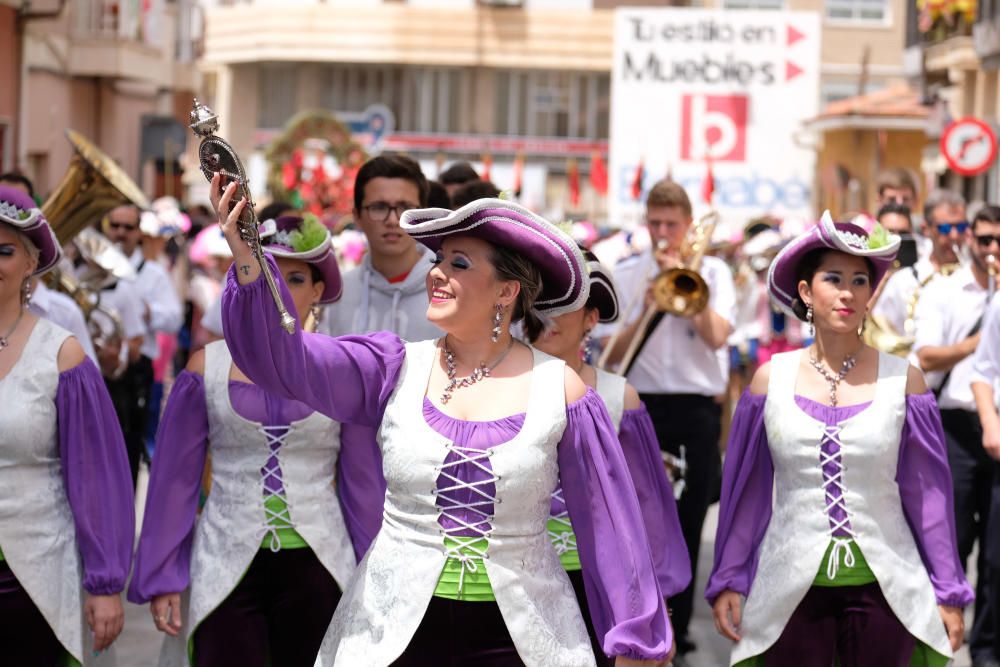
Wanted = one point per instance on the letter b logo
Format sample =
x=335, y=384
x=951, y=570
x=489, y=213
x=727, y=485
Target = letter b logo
x=714, y=126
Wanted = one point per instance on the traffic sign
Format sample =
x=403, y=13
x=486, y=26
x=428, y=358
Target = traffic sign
x=969, y=145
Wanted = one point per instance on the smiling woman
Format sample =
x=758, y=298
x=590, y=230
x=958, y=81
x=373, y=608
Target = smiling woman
x=66, y=506
x=874, y=579
x=463, y=569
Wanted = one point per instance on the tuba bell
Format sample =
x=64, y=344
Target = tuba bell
x=92, y=185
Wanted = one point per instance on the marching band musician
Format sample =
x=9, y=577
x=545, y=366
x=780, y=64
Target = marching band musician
x=986, y=389
x=681, y=370
x=947, y=323
x=567, y=337
x=944, y=226
x=272, y=550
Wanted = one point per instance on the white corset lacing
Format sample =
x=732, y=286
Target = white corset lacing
x=840, y=544
x=465, y=550
x=564, y=541
x=273, y=521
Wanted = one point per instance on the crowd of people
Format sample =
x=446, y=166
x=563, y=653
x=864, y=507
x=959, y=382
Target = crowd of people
x=480, y=445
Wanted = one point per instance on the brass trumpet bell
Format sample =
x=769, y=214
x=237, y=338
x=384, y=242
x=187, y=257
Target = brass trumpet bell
x=681, y=292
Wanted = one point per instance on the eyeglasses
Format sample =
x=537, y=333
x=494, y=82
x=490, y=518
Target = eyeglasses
x=986, y=240
x=379, y=211
x=946, y=227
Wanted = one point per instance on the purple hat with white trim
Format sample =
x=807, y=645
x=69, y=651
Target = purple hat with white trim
x=308, y=240
x=557, y=257
x=603, y=294
x=18, y=210
x=879, y=248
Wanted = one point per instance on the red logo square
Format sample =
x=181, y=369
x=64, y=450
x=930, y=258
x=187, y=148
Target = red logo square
x=714, y=126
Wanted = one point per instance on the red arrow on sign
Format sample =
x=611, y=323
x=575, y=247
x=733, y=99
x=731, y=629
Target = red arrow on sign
x=792, y=70
x=793, y=35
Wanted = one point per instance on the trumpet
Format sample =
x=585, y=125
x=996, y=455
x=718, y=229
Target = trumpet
x=680, y=291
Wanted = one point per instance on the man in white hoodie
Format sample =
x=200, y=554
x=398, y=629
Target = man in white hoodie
x=386, y=292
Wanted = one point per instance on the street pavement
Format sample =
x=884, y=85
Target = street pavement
x=139, y=643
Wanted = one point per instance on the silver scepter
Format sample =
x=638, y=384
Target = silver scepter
x=216, y=155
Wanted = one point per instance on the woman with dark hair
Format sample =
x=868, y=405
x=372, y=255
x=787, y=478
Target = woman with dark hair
x=475, y=430
x=567, y=337
x=66, y=508
x=266, y=563
x=836, y=521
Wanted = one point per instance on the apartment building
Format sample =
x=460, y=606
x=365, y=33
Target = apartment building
x=480, y=79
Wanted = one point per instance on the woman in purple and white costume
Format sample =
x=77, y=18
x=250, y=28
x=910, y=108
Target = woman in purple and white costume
x=66, y=507
x=565, y=337
x=855, y=558
x=266, y=563
x=474, y=491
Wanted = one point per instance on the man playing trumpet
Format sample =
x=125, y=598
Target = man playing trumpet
x=681, y=368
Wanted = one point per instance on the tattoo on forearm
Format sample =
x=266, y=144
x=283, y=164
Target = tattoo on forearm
x=245, y=268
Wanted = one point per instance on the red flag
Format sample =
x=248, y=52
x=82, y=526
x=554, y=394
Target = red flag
x=598, y=174
x=640, y=174
x=487, y=166
x=708, y=185
x=573, y=176
x=518, y=173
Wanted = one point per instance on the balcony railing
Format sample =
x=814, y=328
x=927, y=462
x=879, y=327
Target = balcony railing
x=117, y=19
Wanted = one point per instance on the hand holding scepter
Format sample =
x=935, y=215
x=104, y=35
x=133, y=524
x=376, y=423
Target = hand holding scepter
x=222, y=166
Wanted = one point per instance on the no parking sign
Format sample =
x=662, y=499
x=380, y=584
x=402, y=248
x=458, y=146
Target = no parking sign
x=970, y=146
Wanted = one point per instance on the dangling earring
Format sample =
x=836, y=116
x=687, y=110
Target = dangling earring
x=809, y=319
x=861, y=329
x=26, y=292
x=317, y=314
x=588, y=348
x=497, y=319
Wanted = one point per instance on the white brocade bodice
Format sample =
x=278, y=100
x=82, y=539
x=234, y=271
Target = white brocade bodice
x=234, y=521
x=800, y=531
x=37, y=533
x=385, y=603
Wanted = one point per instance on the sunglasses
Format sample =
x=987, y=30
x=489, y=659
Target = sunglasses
x=128, y=227
x=986, y=240
x=946, y=227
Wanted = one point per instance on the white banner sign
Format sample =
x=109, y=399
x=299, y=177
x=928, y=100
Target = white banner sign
x=729, y=89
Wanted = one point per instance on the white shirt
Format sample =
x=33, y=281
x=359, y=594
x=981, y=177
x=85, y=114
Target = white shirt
x=947, y=311
x=675, y=360
x=892, y=304
x=158, y=294
x=58, y=308
x=986, y=360
x=123, y=298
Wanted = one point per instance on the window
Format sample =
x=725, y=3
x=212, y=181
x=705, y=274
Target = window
x=863, y=11
x=552, y=104
x=753, y=4
x=278, y=87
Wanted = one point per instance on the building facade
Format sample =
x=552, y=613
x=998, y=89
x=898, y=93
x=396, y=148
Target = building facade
x=109, y=70
x=482, y=80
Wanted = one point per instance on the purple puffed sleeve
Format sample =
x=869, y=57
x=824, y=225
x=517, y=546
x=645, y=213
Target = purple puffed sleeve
x=745, y=505
x=656, y=499
x=925, y=488
x=348, y=379
x=96, y=475
x=360, y=485
x=163, y=559
x=626, y=604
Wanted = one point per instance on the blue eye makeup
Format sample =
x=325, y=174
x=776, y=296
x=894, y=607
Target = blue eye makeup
x=460, y=263
x=438, y=258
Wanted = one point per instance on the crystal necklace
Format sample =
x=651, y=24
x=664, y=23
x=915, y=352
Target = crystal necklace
x=5, y=339
x=483, y=371
x=831, y=379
